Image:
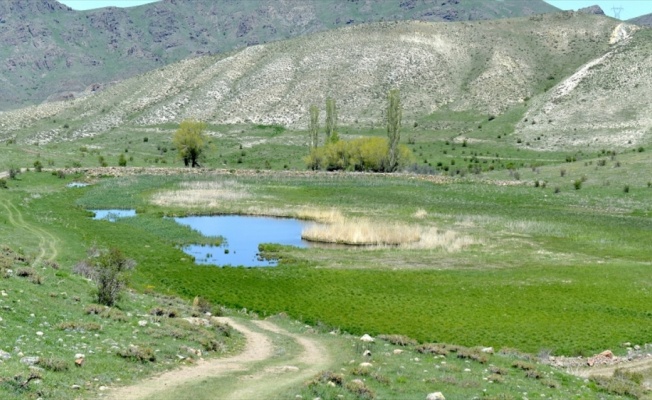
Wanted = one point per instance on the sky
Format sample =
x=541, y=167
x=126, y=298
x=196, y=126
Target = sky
x=630, y=8
x=90, y=4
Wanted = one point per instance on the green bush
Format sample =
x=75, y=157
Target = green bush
x=364, y=154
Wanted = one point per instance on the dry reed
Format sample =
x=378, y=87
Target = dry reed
x=202, y=194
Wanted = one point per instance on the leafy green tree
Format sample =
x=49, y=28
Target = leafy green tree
x=191, y=142
x=314, y=126
x=122, y=160
x=331, y=121
x=394, y=115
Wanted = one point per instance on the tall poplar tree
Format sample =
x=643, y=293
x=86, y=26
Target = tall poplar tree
x=394, y=115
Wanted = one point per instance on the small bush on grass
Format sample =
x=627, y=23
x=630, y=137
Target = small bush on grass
x=398, y=340
x=31, y=274
x=136, y=353
x=109, y=270
x=622, y=383
x=326, y=377
x=53, y=364
x=79, y=326
x=359, y=389
x=163, y=312
x=473, y=354
x=3, y=184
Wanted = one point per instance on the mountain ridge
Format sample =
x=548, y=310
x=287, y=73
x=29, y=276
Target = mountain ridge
x=50, y=52
x=485, y=67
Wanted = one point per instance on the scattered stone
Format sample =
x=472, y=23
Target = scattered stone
x=435, y=396
x=289, y=368
x=398, y=351
x=75, y=387
x=627, y=344
x=79, y=355
x=79, y=362
x=467, y=370
x=637, y=347
x=488, y=350
x=366, y=353
x=31, y=361
x=4, y=355
x=367, y=338
x=366, y=365
x=103, y=388
x=142, y=322
x=39, y=333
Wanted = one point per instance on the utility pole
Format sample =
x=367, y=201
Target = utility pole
x=617, y=11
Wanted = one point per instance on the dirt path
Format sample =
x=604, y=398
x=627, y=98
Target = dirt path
x=608, y=370
x=259, y=351
x=47, y=243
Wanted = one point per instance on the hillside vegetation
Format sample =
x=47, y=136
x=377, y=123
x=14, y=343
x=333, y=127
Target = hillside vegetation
x=479, y=67
x=605, y=104
x=49, y=51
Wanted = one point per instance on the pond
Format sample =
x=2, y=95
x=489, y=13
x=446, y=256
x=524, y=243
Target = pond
x=242, y=235
x=113, y=215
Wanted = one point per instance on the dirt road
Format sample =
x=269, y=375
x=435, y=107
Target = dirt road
x=257, y=357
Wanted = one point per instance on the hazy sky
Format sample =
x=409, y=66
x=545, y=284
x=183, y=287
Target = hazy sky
x=88, y=4
x=631, y=8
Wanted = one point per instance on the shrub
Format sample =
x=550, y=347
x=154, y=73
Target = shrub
x=53, y=364
x=577, y=184
x=135, y=353
x=365, y=154
x=122, y=161
x=398, y=340
x=359, y=389
x=109, y=270
x=13, y=172
x=79, y=326
x=38, y=166
x=3, y=183
x=626, y=189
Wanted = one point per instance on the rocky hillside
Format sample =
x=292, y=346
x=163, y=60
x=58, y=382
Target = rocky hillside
x=643, y=20
x=49, y=51
x=605, y=104
x=486, y=67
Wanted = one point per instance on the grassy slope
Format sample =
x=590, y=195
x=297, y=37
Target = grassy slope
x=606, y=107
x=54, y=302
x=541, y=296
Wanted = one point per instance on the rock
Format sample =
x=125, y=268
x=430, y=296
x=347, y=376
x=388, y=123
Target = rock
x=79, y=362
x=398, y=351
x=31, y=361
x=366, y=353
x=367, y=338
x=103, y=388
x=636, y=347
x=365, y=365
x=4, y=355
x=142, y=323
x=75, y=387
x=488, y=350
x=39, y=333
x=79, y=355
x=435, y=396
x=595, y=10
x=607, y=354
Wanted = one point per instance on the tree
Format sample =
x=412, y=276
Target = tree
x=109, y=270
x=394, y=115
x=314, y=126
x=331, y=121
x=191, y=142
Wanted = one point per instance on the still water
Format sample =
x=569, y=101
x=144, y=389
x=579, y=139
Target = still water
x=113, y=215
x=242, y=235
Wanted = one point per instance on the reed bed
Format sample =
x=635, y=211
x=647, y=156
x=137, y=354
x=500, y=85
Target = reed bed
x=202, y=194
